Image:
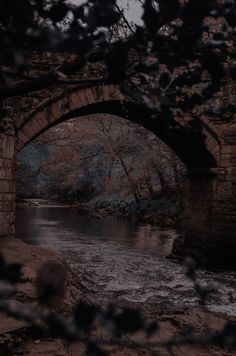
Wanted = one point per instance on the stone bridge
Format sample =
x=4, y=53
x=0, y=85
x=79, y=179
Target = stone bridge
x=209, y=153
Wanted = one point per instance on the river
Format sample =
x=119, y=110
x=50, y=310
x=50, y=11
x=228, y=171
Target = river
x=117, y=260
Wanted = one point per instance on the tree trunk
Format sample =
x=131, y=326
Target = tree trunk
x=120, y=159
x=176, y=174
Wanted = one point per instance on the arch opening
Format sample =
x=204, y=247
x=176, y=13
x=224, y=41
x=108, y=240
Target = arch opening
x=192, y=142
x=113, y=139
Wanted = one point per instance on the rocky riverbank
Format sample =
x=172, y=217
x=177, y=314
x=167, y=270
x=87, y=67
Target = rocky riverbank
x=19, y=338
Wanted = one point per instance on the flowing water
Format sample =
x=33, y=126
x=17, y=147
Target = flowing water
x=120, y=260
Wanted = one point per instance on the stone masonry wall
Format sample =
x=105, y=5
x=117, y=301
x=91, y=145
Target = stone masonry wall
x=7, y=183
x=210, y=204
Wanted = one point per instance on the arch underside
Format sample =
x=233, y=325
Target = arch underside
x=188, y=144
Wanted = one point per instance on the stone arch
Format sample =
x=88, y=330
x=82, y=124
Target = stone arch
x=197, y=146
x=206, y=146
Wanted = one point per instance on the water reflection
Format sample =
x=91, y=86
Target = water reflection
x=34, y=225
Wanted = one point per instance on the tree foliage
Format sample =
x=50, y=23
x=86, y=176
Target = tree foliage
x=182, y=55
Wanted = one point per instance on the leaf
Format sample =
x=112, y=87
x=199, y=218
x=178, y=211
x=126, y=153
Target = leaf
x=150, y=327
x=7, y=290
x=94, y=350
x=169, y=9
x=228, y=336
x=10, y=272
x=230, y=12
x=116, y=59
x=51, y=283
x=84, y=315
x=232, y=74
x=195, y=11
x=164, y=80
x=129, y=320
x=102, y=14
x=58, y=12
x=150, y=17
x=190, y=102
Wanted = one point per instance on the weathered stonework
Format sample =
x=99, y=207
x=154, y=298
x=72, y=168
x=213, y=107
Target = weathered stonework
x=210, y=205
x=7, y=183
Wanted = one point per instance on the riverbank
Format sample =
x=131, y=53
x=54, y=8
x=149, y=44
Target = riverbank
x=25, y=203
x=19, y=338
x=165, y=210
x=16, y=336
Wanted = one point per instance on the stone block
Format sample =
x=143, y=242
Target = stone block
x=229, y=149
x=97, y=92
x=83, y=98
x=49, y=116
x=216, y=153
x=111, y=92
x=9, y=174
x=5, y=230
x=74, y=101
x=8, y=148
x=20, y=145
x=224, y=189
x=28, y=131
x=7, y=186
x=7, y=197
x=39, y=122
x=234, y=190
x=91, y=99
x=3, y=174
x=6, y=218
x=230, y=137
x=6, y=174
x=22, y=137
x=56, y=111
x=7, y=163
x=7, y=206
